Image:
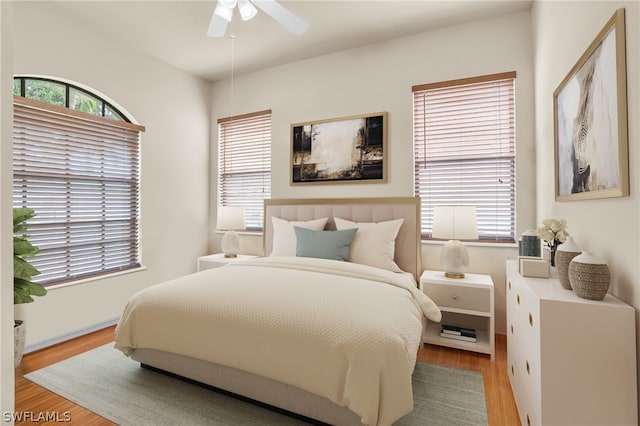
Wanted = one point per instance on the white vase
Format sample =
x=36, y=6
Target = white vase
x=564, y=254
x=20, y=337
x=589, y=275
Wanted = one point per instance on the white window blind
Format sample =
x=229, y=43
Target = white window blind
x=80, y=173
x=244, y=164
x=464, y=140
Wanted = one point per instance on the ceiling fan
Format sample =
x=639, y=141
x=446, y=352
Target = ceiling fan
x=247, y=8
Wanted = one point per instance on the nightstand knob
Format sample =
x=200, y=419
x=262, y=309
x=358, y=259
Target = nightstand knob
x=528, y=368
x=530, y=320
x=454, y=297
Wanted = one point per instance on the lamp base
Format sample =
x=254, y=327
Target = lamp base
x=230, y=244
x=454, y=259
x=456, y=275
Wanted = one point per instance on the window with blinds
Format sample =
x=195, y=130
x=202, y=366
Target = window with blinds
x=244, y=164
x=464, y=142
x=80, y=174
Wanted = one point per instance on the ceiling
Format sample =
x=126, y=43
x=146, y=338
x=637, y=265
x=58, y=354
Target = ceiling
x=175, y=31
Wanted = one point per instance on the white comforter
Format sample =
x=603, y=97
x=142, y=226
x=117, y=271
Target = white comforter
x=340, y=330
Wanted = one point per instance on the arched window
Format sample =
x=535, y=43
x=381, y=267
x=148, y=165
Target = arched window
x=65, y=95
x=77, y=164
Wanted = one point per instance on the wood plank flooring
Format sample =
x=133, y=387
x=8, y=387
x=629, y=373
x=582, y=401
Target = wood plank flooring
x=31, y=399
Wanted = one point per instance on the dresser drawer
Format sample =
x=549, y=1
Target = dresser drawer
x=527, y=407
x=459, y=297
x=524, y=335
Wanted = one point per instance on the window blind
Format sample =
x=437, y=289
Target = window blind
x=244, y=164
x=80, y=173
x=464, y=141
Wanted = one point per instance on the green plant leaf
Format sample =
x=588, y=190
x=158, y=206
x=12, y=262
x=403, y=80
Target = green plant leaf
x=21, y=215
x=22, y=247
x=23, y=287
x=29, y=288
x=23, y=269
x=36, y=289
x=21, y=293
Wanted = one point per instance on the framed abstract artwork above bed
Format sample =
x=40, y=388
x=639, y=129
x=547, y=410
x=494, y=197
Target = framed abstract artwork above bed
x=340, y=150
x=590, y=120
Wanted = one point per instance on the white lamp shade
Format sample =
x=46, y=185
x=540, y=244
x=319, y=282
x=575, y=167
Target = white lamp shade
x=230, y=217
x=455, y=222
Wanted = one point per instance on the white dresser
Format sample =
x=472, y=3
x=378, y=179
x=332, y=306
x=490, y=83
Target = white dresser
x=569, y=360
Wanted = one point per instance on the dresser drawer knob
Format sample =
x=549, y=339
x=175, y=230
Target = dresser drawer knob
x=528, y=421
x=530, y=319
x=513, y=371
x=509, y=285
x=518, y=299
x=454, y=297
x=527, y=365
x=511, y=328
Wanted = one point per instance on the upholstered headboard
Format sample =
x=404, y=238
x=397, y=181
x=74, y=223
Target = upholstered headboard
x=407, y=252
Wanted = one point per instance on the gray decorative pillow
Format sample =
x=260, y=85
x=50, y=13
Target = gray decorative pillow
x=324, y=244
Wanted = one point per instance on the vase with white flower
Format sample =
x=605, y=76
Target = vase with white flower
x=553, y=232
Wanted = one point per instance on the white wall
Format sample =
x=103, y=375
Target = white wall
x=609, y=227
x=174, y=108
x=6, y=268
x=378, y=77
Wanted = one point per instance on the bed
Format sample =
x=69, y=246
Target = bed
x=331, y=340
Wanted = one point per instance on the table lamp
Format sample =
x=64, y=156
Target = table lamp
x=230, y=218
x=454, y=223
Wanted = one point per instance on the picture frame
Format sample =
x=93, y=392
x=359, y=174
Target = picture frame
x=590, y=120
x=349, y=149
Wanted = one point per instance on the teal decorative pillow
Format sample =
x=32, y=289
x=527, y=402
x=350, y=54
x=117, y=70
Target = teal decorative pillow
x=324, y=244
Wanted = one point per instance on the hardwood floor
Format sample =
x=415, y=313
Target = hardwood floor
x=31, y=399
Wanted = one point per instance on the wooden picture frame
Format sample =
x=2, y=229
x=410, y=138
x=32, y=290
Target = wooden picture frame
x=590, y=120
x=340, y=150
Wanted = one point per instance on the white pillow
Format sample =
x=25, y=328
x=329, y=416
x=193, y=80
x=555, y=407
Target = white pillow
x=284, y=237
x=374, y=243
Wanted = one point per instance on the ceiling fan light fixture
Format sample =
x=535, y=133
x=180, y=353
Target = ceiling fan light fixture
x=228, y=4
x=223, y=12
x=247, y=10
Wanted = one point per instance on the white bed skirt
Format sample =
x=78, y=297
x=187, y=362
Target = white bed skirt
x=249, y=385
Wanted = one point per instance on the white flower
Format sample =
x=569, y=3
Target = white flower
x=553, y=232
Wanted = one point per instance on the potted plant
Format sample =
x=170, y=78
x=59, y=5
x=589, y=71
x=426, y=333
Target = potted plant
x=23, y=287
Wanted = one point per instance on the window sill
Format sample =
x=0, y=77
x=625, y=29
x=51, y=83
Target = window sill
x=250, y=233
x=473, y=244
x=101, y=277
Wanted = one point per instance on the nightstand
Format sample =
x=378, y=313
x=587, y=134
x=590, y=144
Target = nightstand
x=465, y=302
x=217, y=260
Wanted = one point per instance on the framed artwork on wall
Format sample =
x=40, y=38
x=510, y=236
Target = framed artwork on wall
x=340, y=150
x=590, y=120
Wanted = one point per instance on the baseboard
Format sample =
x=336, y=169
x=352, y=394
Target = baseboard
x=71, y=335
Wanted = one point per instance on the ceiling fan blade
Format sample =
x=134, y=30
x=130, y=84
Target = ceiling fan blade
x=281, y=14
x=217, y=26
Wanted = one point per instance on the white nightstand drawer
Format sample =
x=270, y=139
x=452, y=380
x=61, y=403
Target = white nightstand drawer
x=468, y=298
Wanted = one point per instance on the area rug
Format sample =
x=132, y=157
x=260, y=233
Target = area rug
x=113, y=386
